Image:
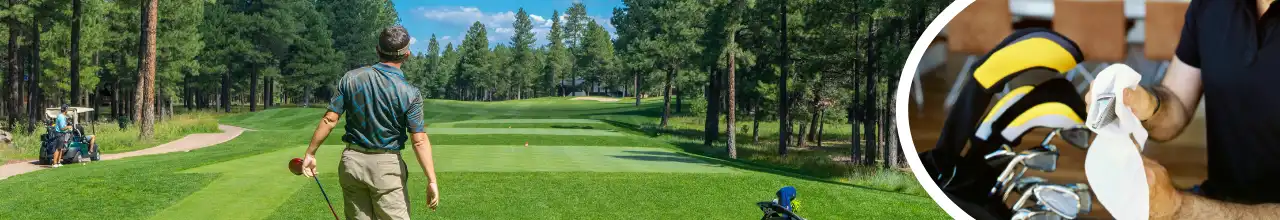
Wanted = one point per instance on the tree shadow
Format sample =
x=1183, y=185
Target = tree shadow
x=681, y=159
x=572, y=126
x=702, y=152
x=655, y=153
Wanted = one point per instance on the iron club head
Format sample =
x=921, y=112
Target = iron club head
x=1022, y=184
x=1059, y=199
x=1034, y=213
x=1042, y=158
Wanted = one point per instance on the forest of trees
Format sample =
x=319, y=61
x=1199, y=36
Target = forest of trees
x=804, y=62
x=204, y=54
x=677, y=49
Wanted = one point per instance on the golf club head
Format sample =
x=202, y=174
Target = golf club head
x=295, y=166
x=1086, y=196
x=1076, y=136
x=1028, y=196
x=1000, y=157
x=1042, y=158
x=1022, y=184
x=1034, y=213
x=1059, y=199
x=1105, y=109
x=1007, y=175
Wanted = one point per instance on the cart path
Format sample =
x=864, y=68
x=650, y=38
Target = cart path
x=190, y=142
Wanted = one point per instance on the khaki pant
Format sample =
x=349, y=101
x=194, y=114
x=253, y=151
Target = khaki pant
x=373, y=185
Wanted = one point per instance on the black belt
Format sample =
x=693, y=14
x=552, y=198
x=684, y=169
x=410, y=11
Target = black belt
x=366, y=150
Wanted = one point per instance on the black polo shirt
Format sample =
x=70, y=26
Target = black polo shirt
x=1239, y=58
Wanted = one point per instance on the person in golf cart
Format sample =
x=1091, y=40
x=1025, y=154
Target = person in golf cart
x=66, y=131
x=63, y=130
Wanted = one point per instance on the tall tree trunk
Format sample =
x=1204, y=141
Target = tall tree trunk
x=75, y=50
x=271, y=92
x=115, y=99
x=733, y=105
x=139, y=88
x=35, y=98
x=813, y=119
x=666, y=96
x=266, y=92
x=802, y=140
x=12, y=77
x=149, y=73
x=225, y=97
x=821, y=128
x=637, y=88
x=755, y=122
x=679, y=99
x=869, y=131
x=890, y=152
x=711, y=126
x=253, y=91
x=783, y=124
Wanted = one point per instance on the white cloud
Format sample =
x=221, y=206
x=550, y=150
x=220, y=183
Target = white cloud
x=499, y=24
x=413, y=40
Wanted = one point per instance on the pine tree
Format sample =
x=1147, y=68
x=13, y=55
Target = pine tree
x=522, y=53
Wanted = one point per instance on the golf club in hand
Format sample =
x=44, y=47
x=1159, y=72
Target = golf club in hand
x=295, y=166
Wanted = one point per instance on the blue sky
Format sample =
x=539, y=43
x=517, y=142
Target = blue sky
x=450, y=19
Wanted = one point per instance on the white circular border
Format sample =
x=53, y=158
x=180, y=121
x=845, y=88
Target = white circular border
x=903, y=94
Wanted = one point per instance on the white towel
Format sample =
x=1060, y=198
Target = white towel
x=1113, y=164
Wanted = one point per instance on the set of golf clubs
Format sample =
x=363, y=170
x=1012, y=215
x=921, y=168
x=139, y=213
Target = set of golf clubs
x=1039, y=199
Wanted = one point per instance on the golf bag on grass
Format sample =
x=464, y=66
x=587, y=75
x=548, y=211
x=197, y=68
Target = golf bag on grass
x=782, y=208
x=978, y=181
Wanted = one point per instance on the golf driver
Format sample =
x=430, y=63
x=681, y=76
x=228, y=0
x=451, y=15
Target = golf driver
x=1042, y=158
x=295, y=166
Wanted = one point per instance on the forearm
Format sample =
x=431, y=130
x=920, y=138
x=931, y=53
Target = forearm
x=1196, y=207
x=1172, y=116
x=422, y=147
x=327, y=123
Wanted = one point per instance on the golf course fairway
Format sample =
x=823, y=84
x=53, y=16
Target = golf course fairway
x=583, y=160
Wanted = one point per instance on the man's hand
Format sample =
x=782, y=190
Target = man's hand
x=1165, y=199
x=309, y=165
x=433, y=195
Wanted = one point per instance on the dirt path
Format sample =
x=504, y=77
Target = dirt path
x=190, y=142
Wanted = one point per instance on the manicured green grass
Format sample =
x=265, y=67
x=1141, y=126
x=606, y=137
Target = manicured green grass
x=581, y=195
x=619, y=167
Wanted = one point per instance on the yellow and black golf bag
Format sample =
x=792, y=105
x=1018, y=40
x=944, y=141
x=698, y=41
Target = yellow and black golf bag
x=967, y=178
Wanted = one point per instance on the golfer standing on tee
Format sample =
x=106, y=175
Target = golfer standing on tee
x=383, y=110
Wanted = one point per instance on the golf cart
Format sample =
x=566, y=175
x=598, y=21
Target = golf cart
x=76, y=148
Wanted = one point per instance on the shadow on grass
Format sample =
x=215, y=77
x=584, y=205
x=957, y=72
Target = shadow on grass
x=681, y=158
x=701, y=152
x=654, y=153
x=572, y=126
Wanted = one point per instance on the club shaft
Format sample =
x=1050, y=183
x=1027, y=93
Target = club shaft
x=326, y=197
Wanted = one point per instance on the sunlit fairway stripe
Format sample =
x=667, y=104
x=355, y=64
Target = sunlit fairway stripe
x=530, y=121
x=537, y=131
x=253, y=187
